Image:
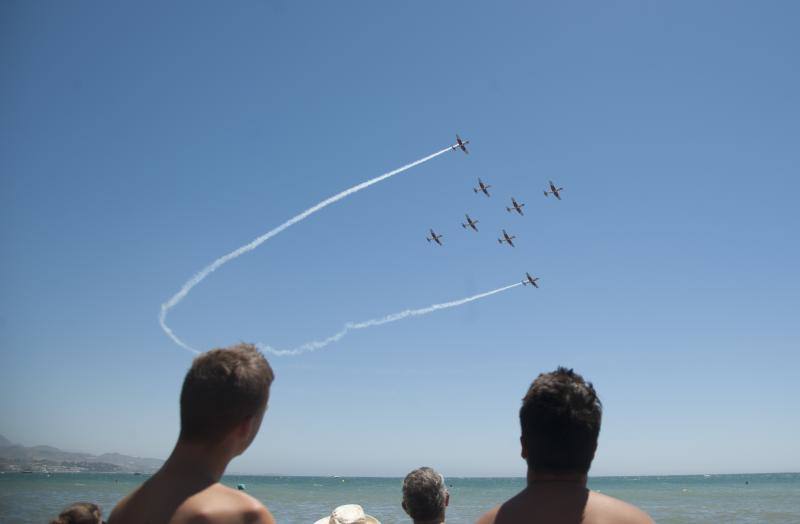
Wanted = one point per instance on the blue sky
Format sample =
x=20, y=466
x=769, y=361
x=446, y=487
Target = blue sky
x=140, y=142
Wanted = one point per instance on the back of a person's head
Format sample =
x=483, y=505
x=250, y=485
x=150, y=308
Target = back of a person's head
x=222, y=389
x=80, y=513
x=560, y=419
x=424, y=495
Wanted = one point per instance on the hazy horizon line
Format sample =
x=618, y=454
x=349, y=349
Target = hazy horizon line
x=232, y=474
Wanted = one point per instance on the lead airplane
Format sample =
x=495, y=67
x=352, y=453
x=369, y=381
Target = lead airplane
x=482, y=187
x=554, y=190
x=507, y=239
x=516, y=206
x=530, y=280
x=470, y=223
x=436, y=238
x=460, y=144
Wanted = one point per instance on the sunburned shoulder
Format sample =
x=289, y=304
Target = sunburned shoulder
x=220, y=504
x=601, y=509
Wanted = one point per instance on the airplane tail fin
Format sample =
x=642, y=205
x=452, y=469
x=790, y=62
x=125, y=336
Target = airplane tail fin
x=474, y=190
x=464, y=226
x=508, y=209
x=545, y=193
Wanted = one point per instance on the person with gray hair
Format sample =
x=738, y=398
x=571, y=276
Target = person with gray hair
x=425, y=496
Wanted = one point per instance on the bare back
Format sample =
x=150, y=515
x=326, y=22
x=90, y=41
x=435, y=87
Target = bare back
x=164, y=499
x=564, y=505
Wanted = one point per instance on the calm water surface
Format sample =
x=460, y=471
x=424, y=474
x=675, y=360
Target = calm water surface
x=674, y=499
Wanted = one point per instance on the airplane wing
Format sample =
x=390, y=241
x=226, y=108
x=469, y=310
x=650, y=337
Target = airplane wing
x=557, y=195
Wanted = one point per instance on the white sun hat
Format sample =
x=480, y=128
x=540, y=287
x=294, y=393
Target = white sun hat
x=348, y=514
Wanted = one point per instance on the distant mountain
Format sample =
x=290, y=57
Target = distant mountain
x=14, y=457
x=145, y=465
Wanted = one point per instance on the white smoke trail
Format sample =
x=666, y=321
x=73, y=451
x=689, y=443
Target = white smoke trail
x=394, y=317
x=199, y=277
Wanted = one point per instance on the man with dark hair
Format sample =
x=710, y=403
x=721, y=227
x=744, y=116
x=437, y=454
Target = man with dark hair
x=425, y=496
x=560, y=422
x=223, y=400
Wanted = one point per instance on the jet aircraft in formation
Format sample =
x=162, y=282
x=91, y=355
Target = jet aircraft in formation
x=436, y=238
x=460, y=144
x=507, y=239
x=482, y=187
x=553, y=190
x=470, y=223
x=530, y=280
x=515, y=206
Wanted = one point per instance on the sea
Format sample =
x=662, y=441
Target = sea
x=750, y=498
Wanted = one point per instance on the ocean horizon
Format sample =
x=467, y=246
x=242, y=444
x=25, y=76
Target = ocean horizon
x=745, y=498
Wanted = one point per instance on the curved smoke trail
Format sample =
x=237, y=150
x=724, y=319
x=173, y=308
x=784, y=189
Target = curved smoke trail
x=394, y=317
x=199, y=277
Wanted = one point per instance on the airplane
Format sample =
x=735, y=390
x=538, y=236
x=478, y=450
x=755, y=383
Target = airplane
x=507, y=239
x=553, y=190
x=460, y=144
x=482, y=187
x=516, y=206
x=470, y=223
x=530, y=280
x=436, y=238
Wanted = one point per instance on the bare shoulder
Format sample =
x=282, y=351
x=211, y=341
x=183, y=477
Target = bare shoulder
x=488, y=517
x=253, y=511
x=602, y=508
x=119, y=515
x=221, y=504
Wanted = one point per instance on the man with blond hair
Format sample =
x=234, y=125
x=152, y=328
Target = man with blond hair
x=223, y=400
